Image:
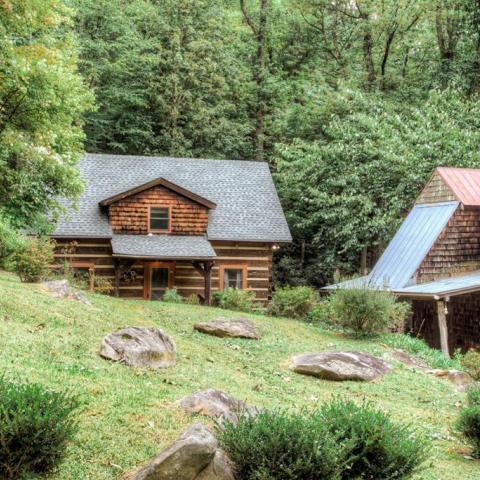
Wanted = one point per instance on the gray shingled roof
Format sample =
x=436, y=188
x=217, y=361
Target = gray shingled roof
x=162, y=246
x=247, y=209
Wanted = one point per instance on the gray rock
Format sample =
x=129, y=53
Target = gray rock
x=340, y=365
x=140, y=347
x=461, y=380
x=229, y=327
x=195, y=455
x=217, y=404
x=408, y=360
x=63, y=289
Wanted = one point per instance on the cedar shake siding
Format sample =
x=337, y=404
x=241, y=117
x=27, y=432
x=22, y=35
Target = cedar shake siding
x=131, y=215
x=436, y=191
x=457, y=249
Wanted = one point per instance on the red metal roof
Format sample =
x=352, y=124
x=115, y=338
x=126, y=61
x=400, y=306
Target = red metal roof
x=464, y=183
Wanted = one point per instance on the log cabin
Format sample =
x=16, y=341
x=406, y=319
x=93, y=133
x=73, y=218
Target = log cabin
x=433, y=261
x=151, y=223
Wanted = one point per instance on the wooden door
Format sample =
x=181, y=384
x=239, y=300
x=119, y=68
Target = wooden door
x=158, y=277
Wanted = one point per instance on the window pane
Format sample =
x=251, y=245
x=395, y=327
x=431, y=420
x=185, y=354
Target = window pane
x=232, y=278
x=159, y=219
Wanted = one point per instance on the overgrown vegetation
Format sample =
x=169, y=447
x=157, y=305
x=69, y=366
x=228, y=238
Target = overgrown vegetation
x=341, y=440
x=365, y=311
x=471, y=364
x=293, y=302
x=235, y=299
x=33, y=260
x=172, y=296
x=469, y=420
x=11, y=242
x=35, y=426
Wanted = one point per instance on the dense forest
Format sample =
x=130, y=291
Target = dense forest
x=352, y=103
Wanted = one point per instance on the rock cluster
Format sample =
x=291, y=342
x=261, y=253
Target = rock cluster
x=229, y=327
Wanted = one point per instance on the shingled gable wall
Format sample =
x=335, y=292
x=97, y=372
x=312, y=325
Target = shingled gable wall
x=131, y=214
x=455, y=252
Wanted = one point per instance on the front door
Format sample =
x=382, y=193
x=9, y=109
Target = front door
x=158, y=277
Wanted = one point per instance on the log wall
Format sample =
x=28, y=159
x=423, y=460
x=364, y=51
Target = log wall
x=257, y=257
x=457, y=249
x=131, y=215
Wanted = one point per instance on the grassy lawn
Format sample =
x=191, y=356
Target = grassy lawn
x=130, y=415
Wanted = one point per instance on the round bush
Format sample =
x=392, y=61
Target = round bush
x=293, y=302
x=35, y=426
x=32, y=262
x=235, y=299
x=469, y=420
x=471, y=364
x=365, y=311
x=340, y=441
x=172, y=296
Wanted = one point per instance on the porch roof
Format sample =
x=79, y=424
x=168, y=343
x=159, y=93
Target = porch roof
x=171, y=247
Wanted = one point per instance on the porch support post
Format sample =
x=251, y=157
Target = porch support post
x=443, y=327
x=117, y=277
x=208, y=282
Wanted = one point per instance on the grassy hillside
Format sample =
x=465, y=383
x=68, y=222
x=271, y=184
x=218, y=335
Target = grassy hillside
x=129, y=415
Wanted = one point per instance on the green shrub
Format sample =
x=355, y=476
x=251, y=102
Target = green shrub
x=32, y=262
x=11, y=242
x=469, y=420
x=101, y=285
x=322, y=314
x=35, y=426
x=172, y=296
x=293, y=302
x=471, y=364
x=235, y=299
x=193, y=299
x=338, y=442
x=278, y=445
x=373, y=446
x=365, y=311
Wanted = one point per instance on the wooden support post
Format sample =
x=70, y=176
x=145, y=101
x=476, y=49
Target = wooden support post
x=117, y=278
x=443, y=327
x=91, y=278
x=208, y=282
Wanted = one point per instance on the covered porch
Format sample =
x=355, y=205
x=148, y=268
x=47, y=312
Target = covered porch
x=160, y=257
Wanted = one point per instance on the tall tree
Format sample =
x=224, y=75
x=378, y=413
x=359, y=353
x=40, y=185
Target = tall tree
x=42, y=98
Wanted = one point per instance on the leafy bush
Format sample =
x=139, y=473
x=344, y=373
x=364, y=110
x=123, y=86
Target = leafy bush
x=278, y=445
x=172, y=296
x=35, y=426
x=102, y=285
x=32, y=262
x=365, y=311
x=471, y=364
x=417, y=346
x=193, y=299
x=11, y=242
x=235, y=299
x=322, y=314
x=338, y=442
x=469, y=420
x=373, y=446
x=293, y=302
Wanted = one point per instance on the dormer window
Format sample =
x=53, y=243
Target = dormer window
x=159, y=219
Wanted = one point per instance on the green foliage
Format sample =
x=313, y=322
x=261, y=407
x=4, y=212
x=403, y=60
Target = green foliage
x=42, y=98
x=340, y=441
x=11, y=242
x=279, y=445
x=365, y=311
x=192, y=299
x=471, y=364
x=469, y=421
x=373, y=446
x=172, y=296
x=35, y=427
x=102, y=285
x=293, y=302
x=416, y=346
x=235, y=299
x=32, y=262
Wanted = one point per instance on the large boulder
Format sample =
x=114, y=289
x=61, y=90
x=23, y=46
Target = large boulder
x=408, y=360
x=340, y=365
x=140, y=347
x=229, y=327
x=217, y=404
x=195, y=455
